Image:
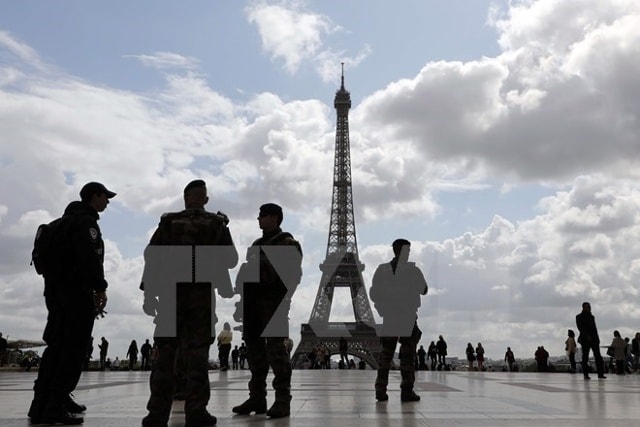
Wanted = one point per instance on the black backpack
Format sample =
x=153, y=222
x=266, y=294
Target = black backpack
x=51, y=247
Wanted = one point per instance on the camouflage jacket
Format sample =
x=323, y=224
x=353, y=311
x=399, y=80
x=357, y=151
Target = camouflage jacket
x=197, y=227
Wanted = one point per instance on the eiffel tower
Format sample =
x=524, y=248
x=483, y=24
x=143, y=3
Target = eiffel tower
x=342, y=266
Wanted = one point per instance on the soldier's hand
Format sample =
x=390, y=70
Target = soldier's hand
x=100, y=300
x=150, y=306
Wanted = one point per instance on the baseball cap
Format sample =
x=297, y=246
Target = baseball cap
x=92, y=188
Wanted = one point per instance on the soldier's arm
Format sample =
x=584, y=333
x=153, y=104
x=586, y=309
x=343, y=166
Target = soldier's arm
x=296, y=262
x=88, y=253
x=230, y=258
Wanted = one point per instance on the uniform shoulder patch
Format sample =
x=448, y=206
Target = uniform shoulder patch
x=93, y=233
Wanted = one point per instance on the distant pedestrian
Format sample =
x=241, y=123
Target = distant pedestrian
x=242, y=355
x=145, y=355
x=509, y=359
x=235, y=355
x=422, y=356
x=542, y=357
x=589, y=340
x=570, y=347
x=132, y=354
x=635, y=351
x=470, y=352
x=432, y=352
x=441, y=348
x=619, y=348
x=225, y=337
x=480, y=356
x=344, y=350
x=104, y=349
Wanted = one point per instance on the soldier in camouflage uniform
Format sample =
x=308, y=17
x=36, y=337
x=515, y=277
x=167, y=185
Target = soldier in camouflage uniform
x=192, y=311
x=395, y=291
x=266, y=282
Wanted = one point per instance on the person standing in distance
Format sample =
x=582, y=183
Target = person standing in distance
x=74, y=295
x=589, y=340
x=395, y=290
x=266, y=281
x=197, y=249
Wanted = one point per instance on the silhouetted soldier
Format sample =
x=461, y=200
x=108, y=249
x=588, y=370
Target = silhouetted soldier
x=266, y=281
x=589, y=340
x=396, y=290
x=74, y=293
x=196, y=244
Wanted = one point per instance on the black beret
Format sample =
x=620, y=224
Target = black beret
x=270, y=209
x=92, y=188
x=193, y=184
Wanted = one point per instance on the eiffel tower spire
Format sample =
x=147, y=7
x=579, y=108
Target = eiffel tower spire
x=342, y=266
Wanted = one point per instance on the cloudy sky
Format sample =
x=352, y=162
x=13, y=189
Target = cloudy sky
x=501, y=137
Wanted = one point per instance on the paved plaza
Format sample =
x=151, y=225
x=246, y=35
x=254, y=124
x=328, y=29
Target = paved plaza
x=346, y=398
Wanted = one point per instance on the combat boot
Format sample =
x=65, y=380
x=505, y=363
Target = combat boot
x=409, y=397
x=60, y=416
x=55, y=412
x=152, y=421
x=72, y=406
x=382, y=396
x=279, y=409
x=259, y=406
x=200, y=419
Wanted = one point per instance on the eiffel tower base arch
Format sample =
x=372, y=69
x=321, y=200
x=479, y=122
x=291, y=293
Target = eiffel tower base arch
x=361, y=338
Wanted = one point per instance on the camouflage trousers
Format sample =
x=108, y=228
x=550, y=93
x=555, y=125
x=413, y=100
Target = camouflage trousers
x=194, y=337
x=407, y=360
x=262, y=353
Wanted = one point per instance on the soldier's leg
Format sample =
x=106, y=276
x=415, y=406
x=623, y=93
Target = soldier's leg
x=75, y=332
x=196, y=328
x=161, y=383
x=52, y=335
x=259, y=367
x=384, y=364
x=180, y=371
x=198, y=388
x=279, y=362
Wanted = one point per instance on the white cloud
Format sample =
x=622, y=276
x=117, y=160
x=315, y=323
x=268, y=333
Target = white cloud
x=564, y=84
x=167, y=60
x=22, y=51
x=295, y=35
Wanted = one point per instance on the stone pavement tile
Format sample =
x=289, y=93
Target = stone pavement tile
x=346, y=398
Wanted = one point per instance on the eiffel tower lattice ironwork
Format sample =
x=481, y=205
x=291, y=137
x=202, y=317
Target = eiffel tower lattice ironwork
x=342, y=266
